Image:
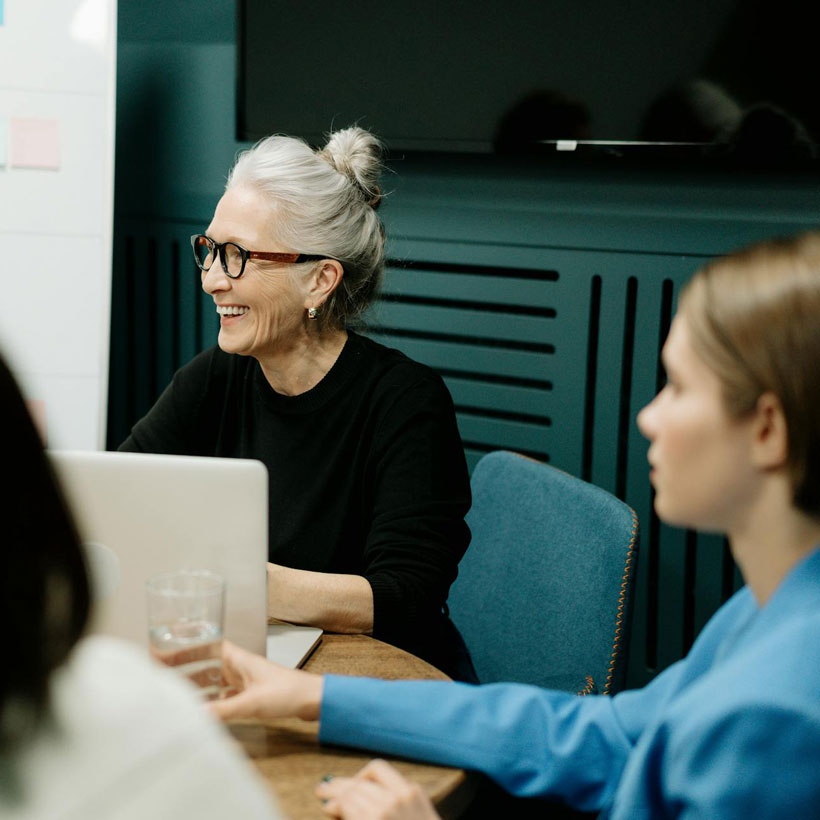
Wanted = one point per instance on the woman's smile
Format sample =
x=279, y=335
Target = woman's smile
x=231, y=314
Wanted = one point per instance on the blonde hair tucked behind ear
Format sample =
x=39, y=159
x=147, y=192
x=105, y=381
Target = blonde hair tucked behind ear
x=325, y=203
x=754, y=317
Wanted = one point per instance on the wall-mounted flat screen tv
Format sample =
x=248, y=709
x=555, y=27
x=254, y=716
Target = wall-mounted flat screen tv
x=706, y=76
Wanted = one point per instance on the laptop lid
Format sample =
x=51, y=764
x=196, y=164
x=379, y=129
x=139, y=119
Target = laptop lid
x=291, y=644
x=141, y=514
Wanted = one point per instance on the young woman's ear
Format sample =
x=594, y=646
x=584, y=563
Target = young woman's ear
x=771, y=439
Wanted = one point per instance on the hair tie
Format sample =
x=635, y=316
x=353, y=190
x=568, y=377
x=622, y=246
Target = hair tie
x=375, y=197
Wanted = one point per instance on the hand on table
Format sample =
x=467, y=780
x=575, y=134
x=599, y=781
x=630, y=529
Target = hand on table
x=264, y=689
x=376, y=792
x=333, y=601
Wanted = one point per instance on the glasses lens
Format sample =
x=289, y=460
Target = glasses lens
x=233, y=258
x=203, y=251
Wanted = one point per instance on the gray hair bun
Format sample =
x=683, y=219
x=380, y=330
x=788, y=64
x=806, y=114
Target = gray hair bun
x=357, y=154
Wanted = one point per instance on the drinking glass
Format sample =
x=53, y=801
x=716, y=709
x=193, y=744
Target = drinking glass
x=185, y=621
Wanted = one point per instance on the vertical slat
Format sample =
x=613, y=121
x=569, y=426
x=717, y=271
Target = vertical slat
x=651, y=320
x=184, y=271
x=730, y=574
x=119, y=375
x=665, y=553
x=132, y=250
x=670, y=588
x=625, y=388
x=708, y=588
x=569, y=404
x=666, y=542
x=187, y=313
x=605, y=443
x=144, y=259
x=690, y=567
x=165, y=311
x=208, y=322
x=177, y=249
x=590, y=389
x=149, y=280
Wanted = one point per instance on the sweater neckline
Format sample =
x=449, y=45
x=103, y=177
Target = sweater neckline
x=342, y=370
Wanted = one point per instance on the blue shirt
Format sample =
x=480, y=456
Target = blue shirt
x=731, y=731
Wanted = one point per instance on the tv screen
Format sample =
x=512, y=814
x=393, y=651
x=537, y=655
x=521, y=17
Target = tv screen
x=516, y=76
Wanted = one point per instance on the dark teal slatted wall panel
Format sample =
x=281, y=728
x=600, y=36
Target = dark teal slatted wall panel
x=488, y=330
x=547, y=351
x=160, y=316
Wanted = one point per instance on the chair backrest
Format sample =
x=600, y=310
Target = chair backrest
x=543, y=594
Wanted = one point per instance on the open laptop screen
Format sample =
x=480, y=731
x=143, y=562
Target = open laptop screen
x=140, y=515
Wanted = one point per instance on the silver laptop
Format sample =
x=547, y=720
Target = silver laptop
x=141, y=514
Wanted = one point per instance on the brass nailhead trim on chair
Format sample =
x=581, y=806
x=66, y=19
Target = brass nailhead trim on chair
x=589, y=688
x=616, y=645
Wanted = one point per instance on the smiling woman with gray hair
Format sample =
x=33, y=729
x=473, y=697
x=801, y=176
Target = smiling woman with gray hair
x=368, y=481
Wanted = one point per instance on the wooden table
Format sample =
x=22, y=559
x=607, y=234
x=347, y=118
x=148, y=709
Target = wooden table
x=288, y=754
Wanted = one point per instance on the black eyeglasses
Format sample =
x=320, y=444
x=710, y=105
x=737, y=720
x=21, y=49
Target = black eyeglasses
x=233, y=257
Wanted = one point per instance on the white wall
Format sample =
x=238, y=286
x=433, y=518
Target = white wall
x=57, y=66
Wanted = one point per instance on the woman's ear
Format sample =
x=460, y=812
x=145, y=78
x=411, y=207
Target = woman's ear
x=325, y=279
x=770, y=447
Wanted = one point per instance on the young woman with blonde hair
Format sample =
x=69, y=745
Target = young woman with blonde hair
x=733, y=729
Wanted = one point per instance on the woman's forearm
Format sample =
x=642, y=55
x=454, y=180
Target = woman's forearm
x=336, y=603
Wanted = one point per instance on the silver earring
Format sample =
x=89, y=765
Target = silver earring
x=313, y=313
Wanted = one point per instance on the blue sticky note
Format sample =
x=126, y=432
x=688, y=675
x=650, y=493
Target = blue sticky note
x=1, y=12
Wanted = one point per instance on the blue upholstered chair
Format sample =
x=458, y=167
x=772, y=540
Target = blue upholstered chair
x=543, y=593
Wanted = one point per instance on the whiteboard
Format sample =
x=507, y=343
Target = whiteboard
x=57, y=107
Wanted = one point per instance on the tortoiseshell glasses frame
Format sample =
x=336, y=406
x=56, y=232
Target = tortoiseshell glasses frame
x=234, y=257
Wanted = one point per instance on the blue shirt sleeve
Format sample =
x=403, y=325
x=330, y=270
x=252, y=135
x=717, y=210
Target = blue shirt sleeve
x=531, y=741
x=750, y=759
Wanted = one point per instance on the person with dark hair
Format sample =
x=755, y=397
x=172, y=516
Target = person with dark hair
x=368, y=483
x=547, y=114
x=44, y=588
x=766, y=133
x=697, y=110
x=89, y=726
x=730, y=732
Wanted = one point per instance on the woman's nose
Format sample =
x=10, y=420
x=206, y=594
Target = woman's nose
x=646, y=419
x=215, y=279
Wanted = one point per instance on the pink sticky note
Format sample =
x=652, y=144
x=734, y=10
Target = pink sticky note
x=34, y=144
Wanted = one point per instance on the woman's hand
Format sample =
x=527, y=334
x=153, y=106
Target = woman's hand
x=264, y=689
x=377, y=792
